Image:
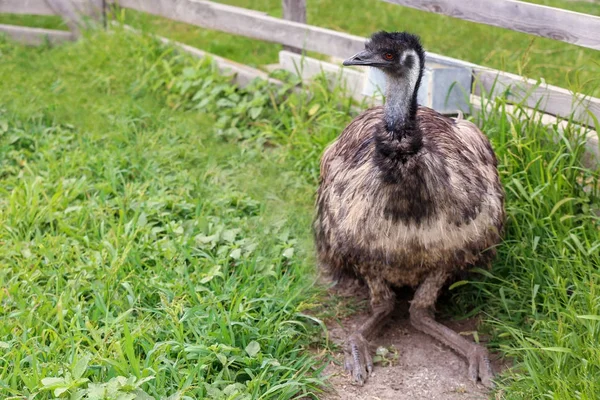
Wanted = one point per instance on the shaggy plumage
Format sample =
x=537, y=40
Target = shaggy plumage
x=407, y=197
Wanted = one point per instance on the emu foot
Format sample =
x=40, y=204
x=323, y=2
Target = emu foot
x=358, y=361
x=479, y=366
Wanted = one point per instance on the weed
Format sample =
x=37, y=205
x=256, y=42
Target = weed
x=132, y=266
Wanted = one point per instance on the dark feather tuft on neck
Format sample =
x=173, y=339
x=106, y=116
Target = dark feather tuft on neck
x=403, y=137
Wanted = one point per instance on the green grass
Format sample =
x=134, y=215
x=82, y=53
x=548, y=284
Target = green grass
x=135, y=243
x=541, y=298
x=571, y=67
x=154, y=223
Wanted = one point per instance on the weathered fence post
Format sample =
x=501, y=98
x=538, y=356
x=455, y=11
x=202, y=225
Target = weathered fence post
x=78, y=13
x=294, y=10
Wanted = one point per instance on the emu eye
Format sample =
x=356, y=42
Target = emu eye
x=388, y=56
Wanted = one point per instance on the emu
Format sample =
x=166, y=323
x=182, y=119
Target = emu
x=406, y=197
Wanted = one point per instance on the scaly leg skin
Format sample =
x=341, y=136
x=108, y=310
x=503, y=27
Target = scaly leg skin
x=421, y=317
x=358, y=361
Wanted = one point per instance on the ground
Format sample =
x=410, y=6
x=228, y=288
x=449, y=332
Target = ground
x=415, y=365
x=423, y=370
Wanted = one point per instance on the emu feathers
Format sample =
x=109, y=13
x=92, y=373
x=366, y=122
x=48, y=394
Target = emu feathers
x=399, y=209
x=407, y=197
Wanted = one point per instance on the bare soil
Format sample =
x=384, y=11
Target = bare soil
x=418, y=367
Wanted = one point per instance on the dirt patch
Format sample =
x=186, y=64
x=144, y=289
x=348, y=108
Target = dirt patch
x=421, y=367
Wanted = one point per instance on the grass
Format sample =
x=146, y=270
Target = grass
x=154, y=223
x=541, y=298
x=558, y=63
x=138, y=245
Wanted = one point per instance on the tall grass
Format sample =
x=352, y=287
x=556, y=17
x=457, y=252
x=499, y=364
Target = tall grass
x=140, y=254
x=542, y=296
x=155, y=232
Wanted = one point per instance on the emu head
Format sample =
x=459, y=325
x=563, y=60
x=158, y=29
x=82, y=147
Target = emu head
x=397, y=54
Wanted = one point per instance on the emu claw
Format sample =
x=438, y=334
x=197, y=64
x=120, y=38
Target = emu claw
x=479, y=366
x=358, y=361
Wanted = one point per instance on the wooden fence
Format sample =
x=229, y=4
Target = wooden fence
x=553, y=23
x=292, y=32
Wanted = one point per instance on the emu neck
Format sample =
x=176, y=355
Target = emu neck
x=401, y=101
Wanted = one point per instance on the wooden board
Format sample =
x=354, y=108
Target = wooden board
x=553, y=23
x=34, y=7
x=251, y=24
x=294, y=10
x=591, y=158
x=553, y=100
x=78, y=14
x=242, y=74
x=307, y=68
x=35, y=36
x=68, y=11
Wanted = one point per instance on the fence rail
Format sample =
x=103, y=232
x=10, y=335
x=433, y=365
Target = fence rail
x=34, y=7
x=553, y=23
x=298, y=35
x=550, y=99
x=35, y=36
x=253, y=24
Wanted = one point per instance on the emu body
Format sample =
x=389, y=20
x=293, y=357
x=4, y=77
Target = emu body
x=407, y=197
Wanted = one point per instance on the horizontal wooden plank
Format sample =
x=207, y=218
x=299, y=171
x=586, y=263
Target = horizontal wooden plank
x=551, y=99
x=35, y=36
x=249, y=23
x=256, y=25
x=553, y=23
x=242, y=74
x=307, y=68
x=34, y=7
x=591, y=158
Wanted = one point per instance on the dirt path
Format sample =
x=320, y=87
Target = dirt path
x=422, y=369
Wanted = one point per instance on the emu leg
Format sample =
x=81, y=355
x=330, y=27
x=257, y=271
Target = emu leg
x=421, y=317
x=358, y=359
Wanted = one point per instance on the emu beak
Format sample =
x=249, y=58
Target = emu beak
x=365, y=57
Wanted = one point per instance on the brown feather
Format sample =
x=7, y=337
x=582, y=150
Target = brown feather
x=383, y=215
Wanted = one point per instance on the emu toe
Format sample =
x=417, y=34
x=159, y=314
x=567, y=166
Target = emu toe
x=358, y=361
x=479, y=366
